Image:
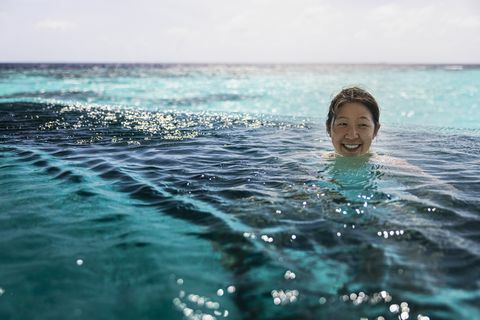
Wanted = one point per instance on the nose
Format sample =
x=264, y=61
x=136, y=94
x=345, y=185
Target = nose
x=351, y=133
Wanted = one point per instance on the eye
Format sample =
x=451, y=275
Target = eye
x=341, y=124
x=363, y=125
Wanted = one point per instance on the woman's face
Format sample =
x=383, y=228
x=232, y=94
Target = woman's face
x=352, y=130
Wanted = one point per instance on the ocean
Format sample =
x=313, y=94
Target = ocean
x=150, y=191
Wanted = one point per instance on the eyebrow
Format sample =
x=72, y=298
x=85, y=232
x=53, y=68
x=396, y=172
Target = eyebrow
x=343, y=117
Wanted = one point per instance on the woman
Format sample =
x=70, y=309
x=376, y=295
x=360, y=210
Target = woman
x=353, y=122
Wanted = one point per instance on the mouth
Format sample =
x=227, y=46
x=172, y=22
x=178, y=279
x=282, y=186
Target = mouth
x=352, y=147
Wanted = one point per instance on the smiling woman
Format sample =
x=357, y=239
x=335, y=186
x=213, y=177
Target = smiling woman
x=353, y=121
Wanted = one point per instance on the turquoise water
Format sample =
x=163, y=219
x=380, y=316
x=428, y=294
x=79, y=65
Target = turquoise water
x=200, y=192
x=412, y=95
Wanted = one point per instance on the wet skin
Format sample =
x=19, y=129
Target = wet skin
x=353, y=130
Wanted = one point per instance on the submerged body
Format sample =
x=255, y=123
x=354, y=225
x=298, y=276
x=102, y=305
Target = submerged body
x=353, y=122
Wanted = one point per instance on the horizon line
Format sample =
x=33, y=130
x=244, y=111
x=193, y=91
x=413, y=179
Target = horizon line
x=241, y=63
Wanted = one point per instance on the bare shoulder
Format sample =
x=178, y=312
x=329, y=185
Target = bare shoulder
x=329, y=155
x=389, y=160
x=406, y=167
x=402, y=164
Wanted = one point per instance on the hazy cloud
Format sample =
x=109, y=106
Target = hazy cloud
x=55, y=24
x=243, y=31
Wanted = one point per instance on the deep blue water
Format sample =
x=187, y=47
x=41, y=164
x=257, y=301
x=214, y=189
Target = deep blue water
x=200, y=192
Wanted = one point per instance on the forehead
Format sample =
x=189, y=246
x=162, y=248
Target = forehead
x=353, y=110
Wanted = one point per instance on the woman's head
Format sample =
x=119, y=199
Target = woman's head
x=353, y=121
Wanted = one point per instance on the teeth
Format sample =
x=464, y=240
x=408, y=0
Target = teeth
x=351, y=146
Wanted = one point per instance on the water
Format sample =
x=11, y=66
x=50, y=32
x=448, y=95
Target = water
x=177, y=191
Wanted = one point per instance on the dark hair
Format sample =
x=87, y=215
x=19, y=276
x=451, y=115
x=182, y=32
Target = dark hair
x=352, y=95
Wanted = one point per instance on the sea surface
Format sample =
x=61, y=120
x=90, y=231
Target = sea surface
x=200, y=192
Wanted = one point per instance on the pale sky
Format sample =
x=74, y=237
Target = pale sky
x=240, y=31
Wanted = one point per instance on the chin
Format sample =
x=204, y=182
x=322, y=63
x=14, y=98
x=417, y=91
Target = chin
x=352, y=154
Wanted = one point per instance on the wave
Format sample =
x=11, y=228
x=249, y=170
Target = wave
x=260, y=193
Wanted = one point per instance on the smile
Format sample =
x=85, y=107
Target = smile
x=351, y=146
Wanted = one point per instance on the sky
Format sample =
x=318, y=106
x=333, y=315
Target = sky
x=240, y=31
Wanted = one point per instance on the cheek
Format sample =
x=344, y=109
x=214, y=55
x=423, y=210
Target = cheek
x=338, y=131
x=368, y=136
x=335, y=135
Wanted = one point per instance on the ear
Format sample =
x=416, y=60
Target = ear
x=377, y=127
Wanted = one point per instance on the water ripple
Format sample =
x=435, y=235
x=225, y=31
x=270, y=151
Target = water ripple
x=258, y=192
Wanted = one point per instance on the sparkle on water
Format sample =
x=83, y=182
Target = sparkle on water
x=200, y=192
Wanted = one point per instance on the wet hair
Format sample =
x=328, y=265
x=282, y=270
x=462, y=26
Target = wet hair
x=353, y=95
